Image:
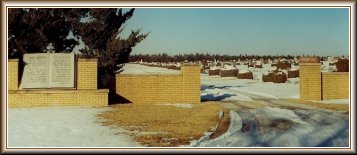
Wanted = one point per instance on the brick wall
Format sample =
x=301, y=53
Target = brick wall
x=13, y=73
x=86, y=93
x=310, y=81
x=191, y=75
x=335, y=85
x=44, y=98
x=87, y=74
x=315, y=85
x=184, y=88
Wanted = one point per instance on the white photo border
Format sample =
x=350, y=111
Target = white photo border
x=177, y=4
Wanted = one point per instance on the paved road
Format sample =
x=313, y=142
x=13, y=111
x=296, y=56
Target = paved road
x=261, y=101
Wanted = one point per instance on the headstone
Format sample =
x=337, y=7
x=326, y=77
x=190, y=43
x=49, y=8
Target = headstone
x=48, y=70
x=329, y=59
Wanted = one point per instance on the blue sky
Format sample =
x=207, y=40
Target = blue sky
x=234, y=31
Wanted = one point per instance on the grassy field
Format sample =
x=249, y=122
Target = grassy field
x=167, y=125
x=164, y=125
x=337, y=107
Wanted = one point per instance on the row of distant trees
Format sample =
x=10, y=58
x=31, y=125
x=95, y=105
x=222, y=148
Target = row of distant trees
x=204, y=57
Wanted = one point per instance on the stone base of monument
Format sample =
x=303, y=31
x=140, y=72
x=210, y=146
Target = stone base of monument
x=46, y=98
x=55, y=80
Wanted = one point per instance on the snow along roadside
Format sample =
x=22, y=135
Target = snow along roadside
x=62, y=127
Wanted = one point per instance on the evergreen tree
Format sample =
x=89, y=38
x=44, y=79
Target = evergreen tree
x=33, y=30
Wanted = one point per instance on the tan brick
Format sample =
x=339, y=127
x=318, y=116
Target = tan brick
x=310, y=81
x=87, y=74
x=161, y=88
x=86, y=95
x=12, y=79
x=335, y=85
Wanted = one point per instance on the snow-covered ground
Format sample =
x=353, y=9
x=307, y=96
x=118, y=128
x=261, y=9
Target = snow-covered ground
x=216, y=88
x=62, y=127
x=275, y=127
x=226, y=85
x=219, y=86
x=268, y=126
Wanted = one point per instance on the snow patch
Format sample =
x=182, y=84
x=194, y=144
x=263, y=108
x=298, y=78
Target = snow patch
x=244, y=71
x=228, y=67
x=274, y=127
x=214, y=68
x=62, y=127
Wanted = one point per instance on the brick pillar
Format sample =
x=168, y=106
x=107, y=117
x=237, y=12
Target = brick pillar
x=13, y=74
x=87, y=74
x=310, y=81
x=191, y=83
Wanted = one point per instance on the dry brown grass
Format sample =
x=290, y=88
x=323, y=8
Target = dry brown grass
x=222, y=126
x=339, y=107
x=180, y=125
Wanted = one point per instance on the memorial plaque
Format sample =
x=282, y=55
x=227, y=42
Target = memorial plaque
x=35, y=73
x=61, y=70
x=48, y=70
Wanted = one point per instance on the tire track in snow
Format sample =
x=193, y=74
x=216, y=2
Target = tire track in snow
x=267, y=101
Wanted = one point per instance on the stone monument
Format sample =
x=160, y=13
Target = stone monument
x=48, y=70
